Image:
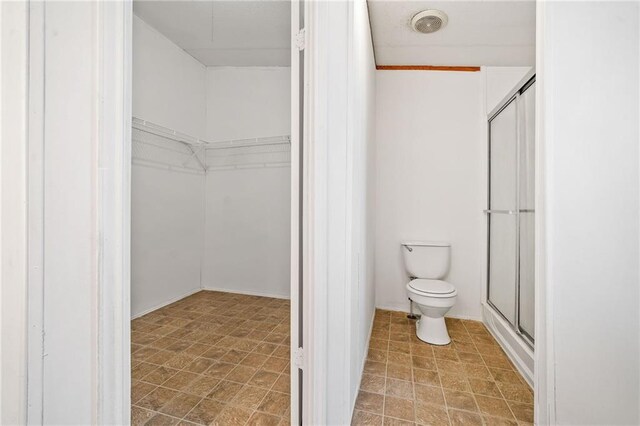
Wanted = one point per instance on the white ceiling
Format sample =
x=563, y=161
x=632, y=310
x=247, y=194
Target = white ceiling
x=224, y=33
x=491, y=33
x=256, y=33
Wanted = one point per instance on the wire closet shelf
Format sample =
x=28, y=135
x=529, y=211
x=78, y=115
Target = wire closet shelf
x=159, y=146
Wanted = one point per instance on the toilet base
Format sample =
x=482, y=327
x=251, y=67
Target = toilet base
x=432, y=330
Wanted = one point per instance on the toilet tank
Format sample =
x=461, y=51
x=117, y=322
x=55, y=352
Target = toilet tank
x=426, y=259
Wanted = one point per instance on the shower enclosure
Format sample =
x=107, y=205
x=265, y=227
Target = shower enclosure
x=510, y=212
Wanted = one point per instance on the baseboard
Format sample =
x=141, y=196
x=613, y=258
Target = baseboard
x=402, y=308
x=518, y=352
x=393, y=307
x=248, y=293
x=163, y=304
x=364, y=361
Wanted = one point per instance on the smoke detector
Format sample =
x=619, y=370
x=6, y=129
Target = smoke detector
x=429, y=21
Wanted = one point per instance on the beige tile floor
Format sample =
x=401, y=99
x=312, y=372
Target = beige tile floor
x=212, y=358
x=468, y=382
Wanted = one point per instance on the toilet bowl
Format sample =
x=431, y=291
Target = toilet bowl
x=426, y=263
x=433, y=298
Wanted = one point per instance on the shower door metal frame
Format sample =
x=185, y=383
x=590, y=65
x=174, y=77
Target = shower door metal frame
x=514, y=96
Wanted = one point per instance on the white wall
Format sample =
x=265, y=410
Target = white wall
x=430, y=181
x=248, y=230
x=362, y=192
x=167, y=207
x=247, y=241
x=248, y=102
x=591, y=197
x=167, y=226
x=341, y=218
x=168, y=84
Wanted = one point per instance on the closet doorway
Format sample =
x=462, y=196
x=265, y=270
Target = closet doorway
x=215, y=212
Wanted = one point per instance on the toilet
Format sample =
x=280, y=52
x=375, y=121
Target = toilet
x=427, y=262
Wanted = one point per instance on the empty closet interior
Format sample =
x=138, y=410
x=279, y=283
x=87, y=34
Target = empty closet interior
x=210, y=224
x=210, y=175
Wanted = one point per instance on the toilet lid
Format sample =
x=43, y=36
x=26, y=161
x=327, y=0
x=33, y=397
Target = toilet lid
x=432, y=286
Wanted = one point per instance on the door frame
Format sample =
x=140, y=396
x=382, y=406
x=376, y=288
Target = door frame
x=308, y=197
x=544, y=355
x=14, y=218
x=298, y=235
x=109, y=342
x=121, y=177
x=114, y=206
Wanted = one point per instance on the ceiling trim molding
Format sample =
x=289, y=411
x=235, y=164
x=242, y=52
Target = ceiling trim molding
x=427, y=68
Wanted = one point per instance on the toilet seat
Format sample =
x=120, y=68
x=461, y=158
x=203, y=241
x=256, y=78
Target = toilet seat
x=432, y=288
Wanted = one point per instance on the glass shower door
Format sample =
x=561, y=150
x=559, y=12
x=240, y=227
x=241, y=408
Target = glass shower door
x=511, y=211
x=502, y=206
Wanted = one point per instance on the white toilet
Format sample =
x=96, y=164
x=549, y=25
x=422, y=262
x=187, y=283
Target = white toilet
x=427, y=262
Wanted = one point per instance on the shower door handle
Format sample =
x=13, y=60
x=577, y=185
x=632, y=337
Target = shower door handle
x=500, y=211
x=509, y=211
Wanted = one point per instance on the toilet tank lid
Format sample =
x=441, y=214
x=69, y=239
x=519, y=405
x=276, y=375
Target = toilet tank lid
x=426, y=243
